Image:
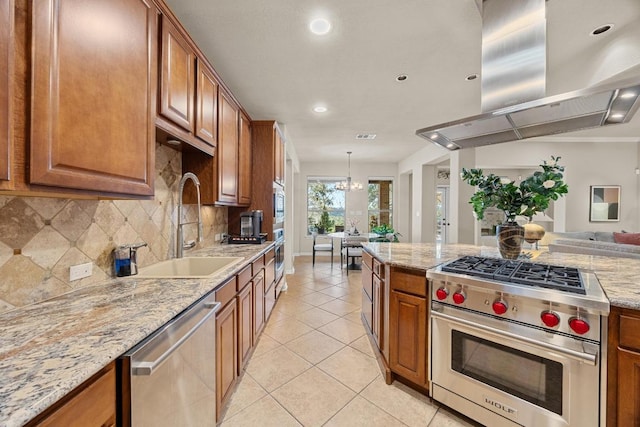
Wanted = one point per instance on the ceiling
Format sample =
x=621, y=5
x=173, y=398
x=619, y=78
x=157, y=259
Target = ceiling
x=279, y=70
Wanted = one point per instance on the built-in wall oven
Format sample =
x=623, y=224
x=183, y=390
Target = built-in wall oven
x=510, y=354
x=279, y=253
x=278, y=206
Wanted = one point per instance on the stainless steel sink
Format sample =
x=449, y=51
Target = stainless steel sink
x=188, y=267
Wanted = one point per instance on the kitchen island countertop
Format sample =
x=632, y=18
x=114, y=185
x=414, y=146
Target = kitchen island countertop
x=49, y=348
x=619, y=277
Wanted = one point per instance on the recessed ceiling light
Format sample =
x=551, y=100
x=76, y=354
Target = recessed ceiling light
x=401, y=78
x=628, y=95
x=433, y=136
x=320, y=109
x=601, y=29
x=617, y=116
x=320, y=26
x=471, y=77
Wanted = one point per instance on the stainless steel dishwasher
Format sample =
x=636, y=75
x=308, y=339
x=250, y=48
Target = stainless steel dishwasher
x=169, y=379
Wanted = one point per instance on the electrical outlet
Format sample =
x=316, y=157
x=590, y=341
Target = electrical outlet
x=218, y=237
x=80, y=271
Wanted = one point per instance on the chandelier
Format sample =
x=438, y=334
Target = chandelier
x=349, y=185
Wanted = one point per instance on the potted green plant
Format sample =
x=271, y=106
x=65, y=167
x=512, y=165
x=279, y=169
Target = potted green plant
x=325, y=224
x=532, y=195
x=387, y=233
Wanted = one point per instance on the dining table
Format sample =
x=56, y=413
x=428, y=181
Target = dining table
x=342, y=235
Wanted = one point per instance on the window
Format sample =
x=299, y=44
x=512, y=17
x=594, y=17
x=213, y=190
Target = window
x=325, y=205
x=380, y=202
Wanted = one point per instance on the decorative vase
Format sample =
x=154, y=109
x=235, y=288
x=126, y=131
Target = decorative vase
x=533, y=233
x=510, y=236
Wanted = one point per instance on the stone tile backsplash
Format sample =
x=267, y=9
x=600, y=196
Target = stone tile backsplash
x=41, y=238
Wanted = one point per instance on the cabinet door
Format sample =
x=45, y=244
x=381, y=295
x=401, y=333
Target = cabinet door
x=93, y=97
x=278, y=157
x=408, y=336
x=258, y=306
x=177, y=80
x=376, y=326
x=244, y=162
x=628, y=388
x=226, y=353
x=227, y=152
x=245, y=325
x=6, y=71
x=206, y=105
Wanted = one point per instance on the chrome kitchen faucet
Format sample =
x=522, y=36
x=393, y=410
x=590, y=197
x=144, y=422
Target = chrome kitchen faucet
x=181, y=245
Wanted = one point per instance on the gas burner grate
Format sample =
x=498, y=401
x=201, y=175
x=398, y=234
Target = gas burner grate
x=524, y=273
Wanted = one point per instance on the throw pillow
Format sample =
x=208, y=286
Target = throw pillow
x=627, y=238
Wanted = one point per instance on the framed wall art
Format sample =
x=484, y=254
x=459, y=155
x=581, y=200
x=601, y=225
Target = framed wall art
x=605, y=203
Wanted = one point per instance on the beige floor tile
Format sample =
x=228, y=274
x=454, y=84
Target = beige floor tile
x=339, y=307
x=335, y=291
x=351, y=367
x=363, y=344
x=316, y=317
x=316, y=298
x=248, y=392
x=315, y=346
x=266, y=412
x=446, y=418
x=275, y=368
x=286, y=330
x=291, y=306
x=343, y=330
x=277, y=315
x=362, y=413
x=265, y=345
x=354, y=316
x=317, y=285
x=409, y=406
x=296, y=290
x=313, y=397
x=353, y=297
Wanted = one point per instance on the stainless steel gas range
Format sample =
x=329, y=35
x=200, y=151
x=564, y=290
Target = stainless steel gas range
x=518, y=343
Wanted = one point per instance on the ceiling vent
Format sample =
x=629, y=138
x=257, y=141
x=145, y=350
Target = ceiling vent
x=513, y=84
x=366, y=136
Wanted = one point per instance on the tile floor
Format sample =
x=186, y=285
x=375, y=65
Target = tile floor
x=314, y=365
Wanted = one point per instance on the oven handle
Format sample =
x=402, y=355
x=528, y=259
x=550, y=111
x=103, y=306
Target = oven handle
x=590, y=359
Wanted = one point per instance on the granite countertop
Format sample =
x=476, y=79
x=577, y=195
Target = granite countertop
x=618, y=276
x=49, y=348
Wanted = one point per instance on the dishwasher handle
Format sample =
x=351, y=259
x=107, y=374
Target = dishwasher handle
x=148, y=357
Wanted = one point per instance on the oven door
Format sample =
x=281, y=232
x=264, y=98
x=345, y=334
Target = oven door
x=505, y=374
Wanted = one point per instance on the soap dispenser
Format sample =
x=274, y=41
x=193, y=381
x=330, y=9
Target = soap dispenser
x=124, y=259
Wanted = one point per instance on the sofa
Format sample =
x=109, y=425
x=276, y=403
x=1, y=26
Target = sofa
x=612, y=244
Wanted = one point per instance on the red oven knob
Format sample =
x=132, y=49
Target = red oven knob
x=499, y=307
x=550, y=319
x=442, y=294
x=459, y=297
x=578, y=326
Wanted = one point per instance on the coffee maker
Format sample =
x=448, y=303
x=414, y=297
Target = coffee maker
x=251, y=223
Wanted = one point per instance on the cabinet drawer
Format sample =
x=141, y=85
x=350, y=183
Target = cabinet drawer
x=269, y=255
x=258, y=265
x=226, y=292
x=244, y=277
x=630, y=332
x=378, y=268
x=367, y=259
x=410, y=281
x=367, y=309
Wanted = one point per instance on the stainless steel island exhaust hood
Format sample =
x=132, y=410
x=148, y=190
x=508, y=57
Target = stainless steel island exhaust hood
x=514, y=83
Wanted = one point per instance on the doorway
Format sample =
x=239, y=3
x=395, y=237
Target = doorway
x=442, y=210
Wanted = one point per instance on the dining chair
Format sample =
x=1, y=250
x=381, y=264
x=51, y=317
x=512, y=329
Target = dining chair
x=350, y=249
x=321, y=244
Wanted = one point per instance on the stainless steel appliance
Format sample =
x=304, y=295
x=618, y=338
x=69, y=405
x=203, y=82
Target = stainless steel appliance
x=278, y=236
x=125, y=259
x=251, y=223
x=518, y=343
x=169, y=378
x=278, y=206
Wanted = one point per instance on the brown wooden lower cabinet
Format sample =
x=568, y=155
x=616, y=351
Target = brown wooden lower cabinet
x=226, y=353
x=258, y=306
x=408, y=337
x=245, y=325
x=623, y=384
x=93, y=403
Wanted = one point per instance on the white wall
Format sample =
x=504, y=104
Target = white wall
x=586, y=163
x=356, y=201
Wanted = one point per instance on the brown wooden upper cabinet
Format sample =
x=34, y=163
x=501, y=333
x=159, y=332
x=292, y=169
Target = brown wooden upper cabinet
x=278, y=156
x=93, y=97
x=244, y=161
x=228, y=134
x=6, y=82
x=188, y=91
